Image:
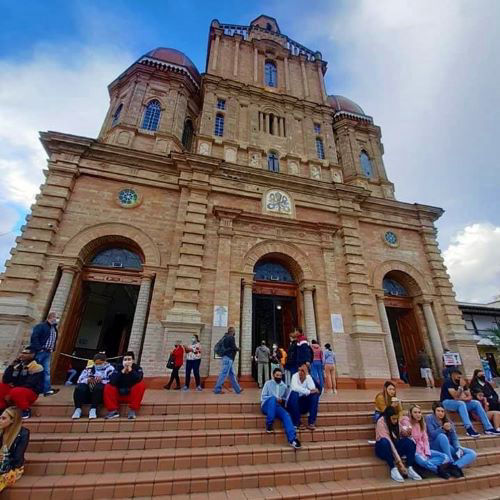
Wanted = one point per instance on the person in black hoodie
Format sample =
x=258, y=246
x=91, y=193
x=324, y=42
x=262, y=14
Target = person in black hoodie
x=22, y=382
x=125, y=386
x=14, y=440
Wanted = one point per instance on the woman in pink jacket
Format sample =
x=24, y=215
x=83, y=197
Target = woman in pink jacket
x=424, y=457
x=392, y=443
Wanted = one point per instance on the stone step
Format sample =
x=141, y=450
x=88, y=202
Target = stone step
x=191, y=458
x=351, y=476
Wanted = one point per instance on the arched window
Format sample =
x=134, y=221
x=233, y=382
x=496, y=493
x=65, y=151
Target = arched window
x=320, y=149
x=272, y=271
x=187, y=134
x=366, y=164
x=273, y=162
x=219, y=125
x=116, y=115
x=271, y=74
x=117, y=257
x=393, y=287
x=152, y=114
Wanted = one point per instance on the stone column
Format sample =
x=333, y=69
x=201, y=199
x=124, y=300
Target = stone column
x=236, y=57
x=322, y=83
x=255, y=64
x=62, y=292
x=261, y=121
x=287, y=75
x=304, y=77
x=437, y=346
x=141, y=310
x=216, y=52
x=389, y=346
x=246, y=329
x=282, y=126
x=309, y=317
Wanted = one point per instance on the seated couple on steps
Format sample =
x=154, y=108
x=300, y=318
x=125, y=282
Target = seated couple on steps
x=277, y=401
x=102, y=382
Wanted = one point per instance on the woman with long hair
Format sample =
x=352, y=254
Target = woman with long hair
x=387, y=398
x=330, y=373
x=443, y=437
x=14, y=440
x=493, y=415
x=393, y=442
x=425, y=457
x=479, y=383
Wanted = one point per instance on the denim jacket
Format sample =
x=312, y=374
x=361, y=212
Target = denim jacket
x=434, y=429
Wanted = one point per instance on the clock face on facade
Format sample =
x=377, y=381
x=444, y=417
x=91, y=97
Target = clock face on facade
x=391, y=239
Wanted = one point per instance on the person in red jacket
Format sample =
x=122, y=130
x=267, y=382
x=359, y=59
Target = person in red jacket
x=178, y=354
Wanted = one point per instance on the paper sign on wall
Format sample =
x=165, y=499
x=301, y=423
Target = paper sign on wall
x=451, y=359
x=220, y=315
x=337, y=323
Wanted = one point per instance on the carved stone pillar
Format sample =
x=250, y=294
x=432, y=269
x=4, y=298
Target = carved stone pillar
x=282, y=126
x=309, y=316
x=434, y=337
x=304, y=77
x=140, y=316
x=236, y=57
x=389, y=346
x=246, y=328
x=216, y=52
x=287, y=75
x=63, y=289
x=255, y=65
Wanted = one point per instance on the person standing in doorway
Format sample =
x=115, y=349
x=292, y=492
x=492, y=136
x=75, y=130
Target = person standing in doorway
x=330, y=369
x=275, y=357
x=177, y=354
x=226, y=349
x=317, y=364
x=193, y=361
x=424, y=362
x=43, y=341
x=262, y=356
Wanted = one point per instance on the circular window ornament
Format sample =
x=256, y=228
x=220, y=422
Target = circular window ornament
x=128, y=198
x=391, y=239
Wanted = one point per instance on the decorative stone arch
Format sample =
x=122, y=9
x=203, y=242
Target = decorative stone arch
x=405, y=273
x=287, y=253
x=84, y=244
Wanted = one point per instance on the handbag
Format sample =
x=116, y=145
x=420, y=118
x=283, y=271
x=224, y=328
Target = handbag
x=170, y=363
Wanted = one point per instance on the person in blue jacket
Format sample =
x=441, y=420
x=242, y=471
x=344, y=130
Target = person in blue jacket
x=43, y=341
x=443, y=438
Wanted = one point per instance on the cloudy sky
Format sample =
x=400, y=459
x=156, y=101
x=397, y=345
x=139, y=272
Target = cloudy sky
x=426, y=70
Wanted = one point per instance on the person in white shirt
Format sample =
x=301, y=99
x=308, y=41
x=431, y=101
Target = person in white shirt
x=303, y=398
x=272, y=399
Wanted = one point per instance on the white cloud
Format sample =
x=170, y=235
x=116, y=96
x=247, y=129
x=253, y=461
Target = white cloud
x=473, y=261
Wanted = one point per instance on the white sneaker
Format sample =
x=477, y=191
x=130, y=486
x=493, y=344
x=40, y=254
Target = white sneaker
x=92, y=414
x=413, y=475
x=77, y=414
x=396, y=475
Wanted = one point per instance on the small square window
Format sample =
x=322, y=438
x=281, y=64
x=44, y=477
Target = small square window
x=221, y=104
x=317, y=128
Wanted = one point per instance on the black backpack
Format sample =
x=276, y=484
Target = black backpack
x=219, y=348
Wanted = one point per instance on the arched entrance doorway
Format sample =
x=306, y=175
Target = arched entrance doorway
x=405, y=333
x=274, y=307
x=103, y=304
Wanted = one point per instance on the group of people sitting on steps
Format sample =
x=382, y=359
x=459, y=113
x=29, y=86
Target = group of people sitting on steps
x=431, y=442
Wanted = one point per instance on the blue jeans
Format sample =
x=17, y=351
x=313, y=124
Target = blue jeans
x=463, y=408
x=272, y=410
x=298, y=405
x=431, y=463
x=317, y=373
x=442, y=443
x=405, y=447
x=43, y=357
x=226, y=368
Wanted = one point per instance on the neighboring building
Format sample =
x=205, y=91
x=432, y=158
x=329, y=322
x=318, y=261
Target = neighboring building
x=245, y=196
x=480, y=320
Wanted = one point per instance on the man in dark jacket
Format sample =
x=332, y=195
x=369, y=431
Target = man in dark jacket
x=299, y=352
x=228, y=355
x=22, y=382
x=125, y=386
x=43, y=340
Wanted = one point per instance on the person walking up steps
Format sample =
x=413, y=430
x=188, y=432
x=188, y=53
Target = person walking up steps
x=226, y=349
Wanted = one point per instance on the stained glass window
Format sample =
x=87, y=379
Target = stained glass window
x=219, y=125
x=272, y=271
x=152, y=114
x=273, y=162
x=116, y=115
x=393, y=287
x=128, y=197
x=366, y=164
x=320, y=149
x=117, y=257
x=271, y=74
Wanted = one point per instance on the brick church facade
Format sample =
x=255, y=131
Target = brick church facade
x=245, y=196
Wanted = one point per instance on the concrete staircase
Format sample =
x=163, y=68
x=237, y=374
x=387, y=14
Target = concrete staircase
x=199, y=446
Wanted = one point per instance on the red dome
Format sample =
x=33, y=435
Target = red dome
x=340, y=103
x=175, y=57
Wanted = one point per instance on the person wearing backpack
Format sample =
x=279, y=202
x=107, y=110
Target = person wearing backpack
x=226, y=349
